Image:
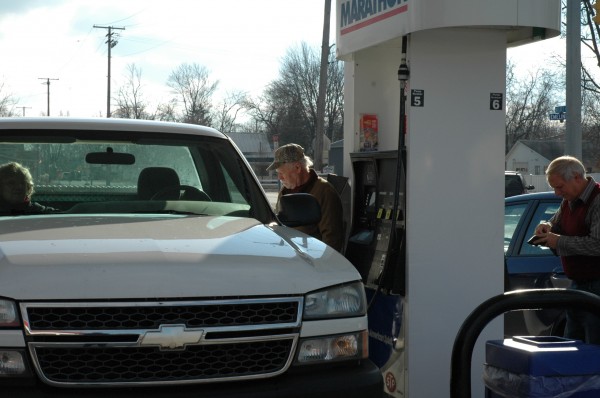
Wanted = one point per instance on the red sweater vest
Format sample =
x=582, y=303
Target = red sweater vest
x=579, y=268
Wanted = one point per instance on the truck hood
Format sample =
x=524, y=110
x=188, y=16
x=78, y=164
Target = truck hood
x=55, y=257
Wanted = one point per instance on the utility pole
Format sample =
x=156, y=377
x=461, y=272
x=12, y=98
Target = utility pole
x=23, y=108
x=47, y=79
x=322, y=88
x=573, y=79
x=111, y=43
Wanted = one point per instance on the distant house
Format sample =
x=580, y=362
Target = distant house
x=534, y=156
x=256, y=148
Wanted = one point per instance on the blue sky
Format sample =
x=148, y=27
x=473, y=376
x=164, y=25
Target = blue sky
x=240, y=42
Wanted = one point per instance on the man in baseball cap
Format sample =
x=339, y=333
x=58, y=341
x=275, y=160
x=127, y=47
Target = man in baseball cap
x=289, y=153
x=296, y=176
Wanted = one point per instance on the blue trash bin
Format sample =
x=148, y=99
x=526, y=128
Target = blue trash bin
x=542, y=366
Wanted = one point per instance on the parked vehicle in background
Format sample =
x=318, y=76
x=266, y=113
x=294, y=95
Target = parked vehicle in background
x=165, y=272
x=515, y=184
x=531, y=267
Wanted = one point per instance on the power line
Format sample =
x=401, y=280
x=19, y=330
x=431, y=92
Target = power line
x=74, y=52
x=111, y=43
x=47, y=79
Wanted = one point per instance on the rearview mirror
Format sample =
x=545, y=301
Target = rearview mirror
x=109, y=157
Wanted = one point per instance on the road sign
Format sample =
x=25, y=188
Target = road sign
x=558, y=116
x=560, y=109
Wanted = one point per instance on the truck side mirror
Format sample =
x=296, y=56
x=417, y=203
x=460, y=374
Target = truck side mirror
x=299, y=209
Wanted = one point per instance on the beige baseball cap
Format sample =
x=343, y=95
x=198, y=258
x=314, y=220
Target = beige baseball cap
x=288, y=153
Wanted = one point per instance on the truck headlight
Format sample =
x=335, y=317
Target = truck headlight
x=333, y=348
x=8, y=314
x=336, y=302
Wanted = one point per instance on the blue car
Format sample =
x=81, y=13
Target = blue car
x=531, y=267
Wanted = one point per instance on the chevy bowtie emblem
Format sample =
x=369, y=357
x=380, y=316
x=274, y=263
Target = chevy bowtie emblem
x=171, y=337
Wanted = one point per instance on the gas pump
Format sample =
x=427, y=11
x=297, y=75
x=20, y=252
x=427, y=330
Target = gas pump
x=376, y=248
x=432, y=259
x=376, y=245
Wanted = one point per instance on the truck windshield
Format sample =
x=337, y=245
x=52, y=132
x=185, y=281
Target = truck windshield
x=125, y=172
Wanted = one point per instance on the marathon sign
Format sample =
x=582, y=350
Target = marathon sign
x=363, y=24
x=355, y=14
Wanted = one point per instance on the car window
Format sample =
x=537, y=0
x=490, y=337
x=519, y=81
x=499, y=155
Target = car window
x=512, y=216
x=236, y=195
x=513, y=185
x=544, y=212
x=128, y=172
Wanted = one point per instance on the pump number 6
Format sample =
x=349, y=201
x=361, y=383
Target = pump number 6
x=496, y=100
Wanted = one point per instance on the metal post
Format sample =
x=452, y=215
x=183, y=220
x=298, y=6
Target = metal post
x=573, y=77
x=111, y=43
x=318, y=155
x=47, y=79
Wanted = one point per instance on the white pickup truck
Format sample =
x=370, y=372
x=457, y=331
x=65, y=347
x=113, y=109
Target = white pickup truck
x=147, y=262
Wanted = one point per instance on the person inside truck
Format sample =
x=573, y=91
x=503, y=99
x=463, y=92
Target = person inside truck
x=296, y=176
x=16, y=188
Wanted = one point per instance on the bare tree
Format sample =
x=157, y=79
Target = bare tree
x=591, y=32
x=590, y=123
x=300, y=79
x=334, y=103
x=265, y=116
x=590, y=36
x=529, y=101
x=590, y=86
x=192, y=84
x=130, y=102
x=167, y=112
x=228, y=109
x=282, y=114
x=7, y=102
x=288, y=107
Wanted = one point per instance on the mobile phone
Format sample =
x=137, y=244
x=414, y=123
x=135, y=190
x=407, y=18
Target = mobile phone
x=534, y=240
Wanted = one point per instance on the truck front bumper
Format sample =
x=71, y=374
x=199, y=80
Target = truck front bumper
x=363, y=380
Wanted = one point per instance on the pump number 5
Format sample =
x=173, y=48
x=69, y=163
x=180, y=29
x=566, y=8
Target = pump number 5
x=496, y=101
x=417, y=98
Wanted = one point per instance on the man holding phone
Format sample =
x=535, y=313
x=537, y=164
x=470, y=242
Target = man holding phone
x=573, y=233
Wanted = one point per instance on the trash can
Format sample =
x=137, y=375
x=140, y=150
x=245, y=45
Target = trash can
x=541, y=366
